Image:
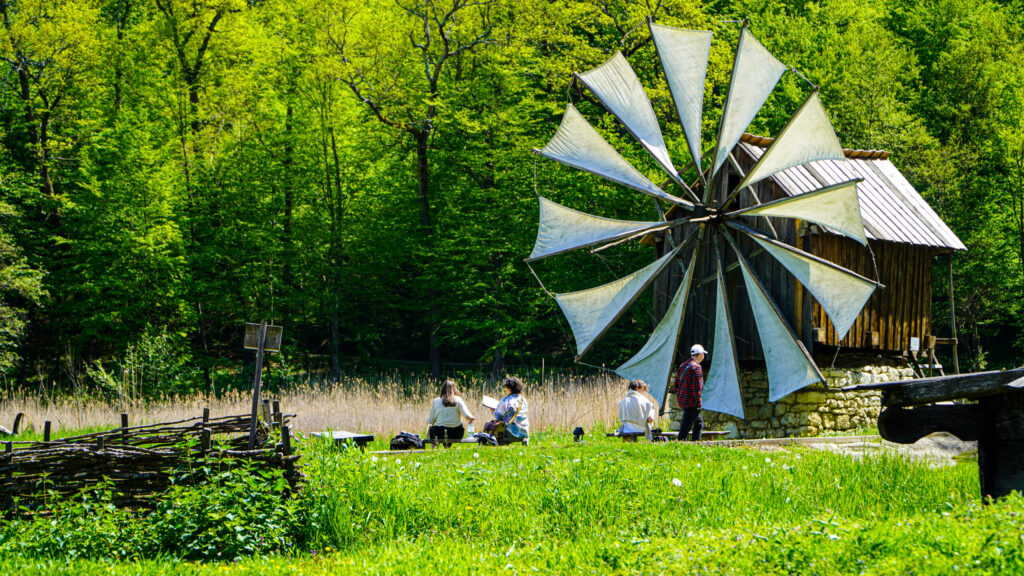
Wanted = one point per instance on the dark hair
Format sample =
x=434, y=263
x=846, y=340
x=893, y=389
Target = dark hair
x=514, y=385
x=637, y=384
x=449, y=390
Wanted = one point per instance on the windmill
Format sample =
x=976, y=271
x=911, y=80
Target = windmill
x=705, y=210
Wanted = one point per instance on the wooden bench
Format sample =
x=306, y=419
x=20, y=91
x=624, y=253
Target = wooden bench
x=341, y=437
x=912, y=409
x=633, y=436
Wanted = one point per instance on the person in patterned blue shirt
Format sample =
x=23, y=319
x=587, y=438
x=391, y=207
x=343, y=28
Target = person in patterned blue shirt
x=512, y=409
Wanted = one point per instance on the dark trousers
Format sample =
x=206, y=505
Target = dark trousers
x=443, y=433
x=691, y=418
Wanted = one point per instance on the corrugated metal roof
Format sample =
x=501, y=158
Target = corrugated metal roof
x=891, y=208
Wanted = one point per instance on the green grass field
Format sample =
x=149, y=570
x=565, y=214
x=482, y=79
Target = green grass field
x=556, y=507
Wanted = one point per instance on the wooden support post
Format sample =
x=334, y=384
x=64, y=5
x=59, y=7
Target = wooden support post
x=46, y=432
x=275, y=408
x=100, y=443
x=206, y=440
x=17, y=423
x=952, y=314
x=124, y=428
x=279, y=419
x=286, y=440
x=257, y=379
x=9, y=477
x=206, y=416
x=265, y=410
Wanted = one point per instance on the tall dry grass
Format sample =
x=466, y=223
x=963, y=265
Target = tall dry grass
x=383, y=407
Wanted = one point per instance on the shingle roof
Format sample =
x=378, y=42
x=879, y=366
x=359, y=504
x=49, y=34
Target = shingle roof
x=891, y=208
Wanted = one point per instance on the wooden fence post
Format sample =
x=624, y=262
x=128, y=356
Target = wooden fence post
x=46, y=432
x=124, y=428
x=99, y=443
x=286, y=440
x=9, y=476
x=206, y=416
x=265, y=410
x=206, y=440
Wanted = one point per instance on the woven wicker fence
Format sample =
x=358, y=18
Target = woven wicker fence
x=140, y=461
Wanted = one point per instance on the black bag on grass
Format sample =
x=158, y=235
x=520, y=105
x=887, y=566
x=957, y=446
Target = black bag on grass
x=406, y=441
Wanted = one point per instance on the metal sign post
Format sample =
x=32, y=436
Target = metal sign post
x=261, y=337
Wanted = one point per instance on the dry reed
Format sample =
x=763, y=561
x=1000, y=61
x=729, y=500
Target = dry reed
x=382, y=407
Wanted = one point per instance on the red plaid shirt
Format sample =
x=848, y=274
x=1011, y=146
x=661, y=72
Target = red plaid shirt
x=689, y=384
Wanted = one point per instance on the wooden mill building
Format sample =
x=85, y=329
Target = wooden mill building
x=905, y=237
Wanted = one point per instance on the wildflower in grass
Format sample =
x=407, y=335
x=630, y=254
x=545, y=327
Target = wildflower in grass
x=768, y=460
x=476, y=454
x=373, y=459
x=698, y=464
x=398, y=461
x=417, y=465
x=677, y=481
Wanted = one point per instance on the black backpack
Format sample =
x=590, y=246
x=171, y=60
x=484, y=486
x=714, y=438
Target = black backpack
x=406, y=441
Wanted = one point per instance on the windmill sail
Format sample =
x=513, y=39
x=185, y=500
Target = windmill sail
x=841, y=293
x=653, y=363
x=577, y=144
x=684, y=59
x=755, y=73
x=790, y=367
x=562, y=229
x=615, y=84
x=591, y=312
x=807, y=137
x=836, y=207
x=722, y=390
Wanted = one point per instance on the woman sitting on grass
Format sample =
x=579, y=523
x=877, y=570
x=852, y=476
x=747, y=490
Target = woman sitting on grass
x=446, y=414
x=511, y=410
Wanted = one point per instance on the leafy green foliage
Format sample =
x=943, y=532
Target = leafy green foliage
x=237, y=511
x=181, y=169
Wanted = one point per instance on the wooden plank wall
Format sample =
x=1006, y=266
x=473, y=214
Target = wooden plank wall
x=897, y=312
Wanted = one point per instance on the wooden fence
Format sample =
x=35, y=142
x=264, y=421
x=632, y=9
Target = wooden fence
x=138, y=462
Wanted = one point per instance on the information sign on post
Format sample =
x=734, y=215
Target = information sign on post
x=260, y=337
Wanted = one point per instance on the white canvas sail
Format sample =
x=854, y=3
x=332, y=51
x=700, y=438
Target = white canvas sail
x=722, y=389
x=790, y=367
x=653, y=363
x=755, y=73
x=562, y=229
x=836, y=207
x=841, y=293
x=684, y=58
x=577, y=144
x=807, y=137
x=615, y=84
x=591, y=312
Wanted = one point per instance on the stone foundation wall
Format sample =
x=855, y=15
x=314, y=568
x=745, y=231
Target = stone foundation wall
x=811, y=411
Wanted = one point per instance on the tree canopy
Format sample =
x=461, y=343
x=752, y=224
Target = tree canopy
x=361, y=171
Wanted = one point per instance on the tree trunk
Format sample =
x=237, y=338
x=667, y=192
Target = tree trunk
x=422, y=188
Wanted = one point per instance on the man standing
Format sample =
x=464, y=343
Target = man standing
x=688, y=388
x=635, y=411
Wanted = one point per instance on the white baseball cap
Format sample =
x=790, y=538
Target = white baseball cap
x=697, y=349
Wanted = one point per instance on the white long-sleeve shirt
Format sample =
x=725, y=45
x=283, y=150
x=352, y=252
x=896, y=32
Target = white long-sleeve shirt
x=634, y=410
x=448, y=416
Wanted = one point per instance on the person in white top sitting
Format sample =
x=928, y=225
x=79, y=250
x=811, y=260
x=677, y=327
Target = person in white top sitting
x=636, y=412
x=446, y=414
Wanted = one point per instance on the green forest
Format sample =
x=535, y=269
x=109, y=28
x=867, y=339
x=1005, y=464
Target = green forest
x=361, y=171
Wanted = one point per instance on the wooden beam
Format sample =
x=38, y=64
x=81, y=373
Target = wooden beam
x=908, y=425
x=943, y=388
